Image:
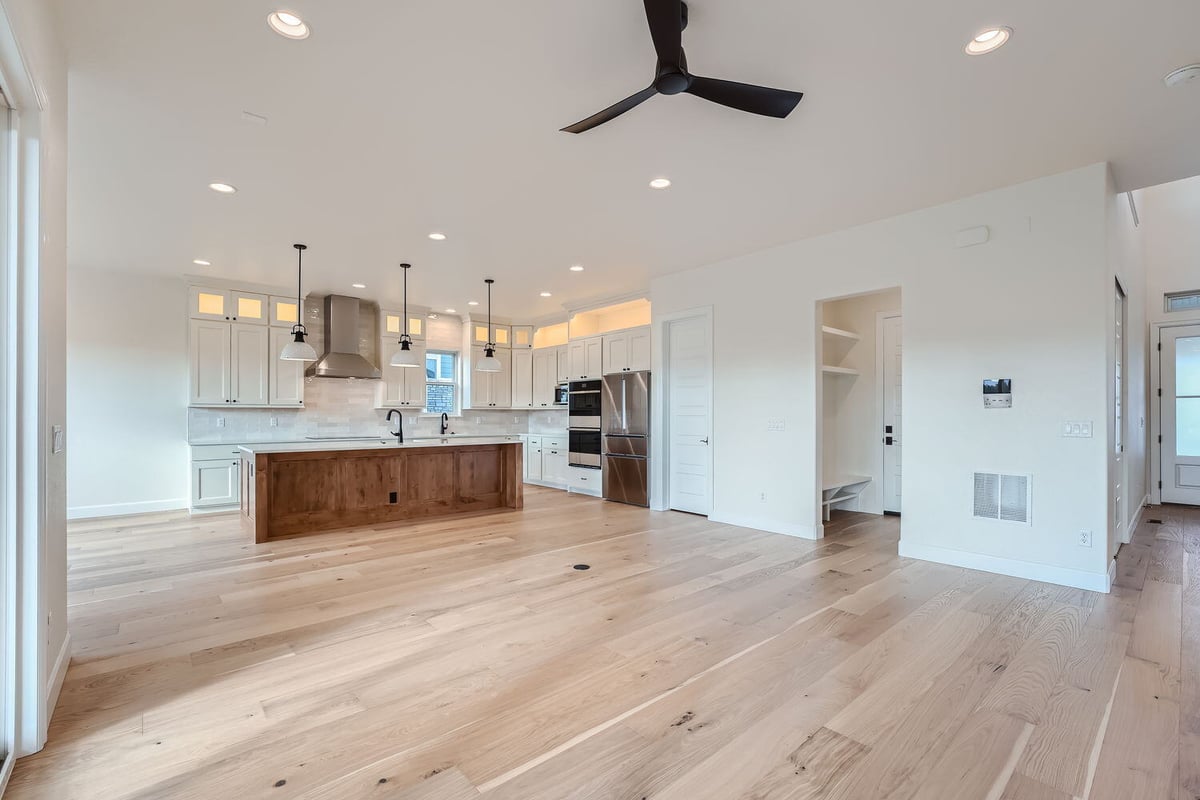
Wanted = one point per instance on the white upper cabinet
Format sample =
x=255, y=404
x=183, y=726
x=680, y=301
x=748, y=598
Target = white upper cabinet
x=391, y=324
x=522, y=379
x=545, y=377
x=208, y=345
x=502, y=334
x=627, y=351
x=249, y=368
x=205, y=303
x=522, y=337
x=250, y=308
x=586, y=358
x=234, y=342
x=284, y=311
x=563, y=354
x=287, y=377
x=401, y=387
x=491, y=389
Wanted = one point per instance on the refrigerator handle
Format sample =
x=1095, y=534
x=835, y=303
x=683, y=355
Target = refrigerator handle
x=624, y=408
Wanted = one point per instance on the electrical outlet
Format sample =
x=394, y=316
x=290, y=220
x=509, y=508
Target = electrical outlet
x=220, y=422
x=479, y=420
x=762, y=497
x=274, y=422
x=1085, y=538
x=517, y=420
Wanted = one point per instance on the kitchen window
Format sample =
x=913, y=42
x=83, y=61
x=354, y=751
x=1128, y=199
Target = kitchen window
x=441, y=382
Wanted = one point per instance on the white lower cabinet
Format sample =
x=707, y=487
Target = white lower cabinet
x=582, y=480
x=216, y=473
x=546, y=460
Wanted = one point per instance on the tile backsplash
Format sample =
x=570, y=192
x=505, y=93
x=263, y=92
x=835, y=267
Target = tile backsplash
x=334, y=407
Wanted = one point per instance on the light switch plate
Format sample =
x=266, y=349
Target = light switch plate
x=1077, y=429
x=776, y=424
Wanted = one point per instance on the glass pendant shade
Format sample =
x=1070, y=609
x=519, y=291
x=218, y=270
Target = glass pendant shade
x=489, y=362
x=298, y=350
x=405, y=356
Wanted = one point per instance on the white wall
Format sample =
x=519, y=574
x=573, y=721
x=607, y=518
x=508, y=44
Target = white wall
x=35, y=69
x=1170, y=216
x=1032, y=304
x=126, y=393
x=851, y=443
x=1127, y=265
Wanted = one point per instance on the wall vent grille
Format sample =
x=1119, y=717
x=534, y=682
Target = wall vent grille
x=1002, y=497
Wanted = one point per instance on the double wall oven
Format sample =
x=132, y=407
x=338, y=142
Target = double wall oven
x=583, y=426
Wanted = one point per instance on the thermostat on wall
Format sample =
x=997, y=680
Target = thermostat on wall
x=997, y=393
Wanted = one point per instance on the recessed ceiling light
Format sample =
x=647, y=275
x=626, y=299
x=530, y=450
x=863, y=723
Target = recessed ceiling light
x=359, y=285
x=437, y=237
x=546, y=294
x=451, y=311
x=472, y=302
x=660, y=183
x=287, y=24
x=576, y=268
x=988, y=40
x=200, y=262
x=223, y=188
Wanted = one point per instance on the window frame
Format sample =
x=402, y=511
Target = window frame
x=455, y=381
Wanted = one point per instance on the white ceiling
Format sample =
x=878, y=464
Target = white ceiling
x=397, y=118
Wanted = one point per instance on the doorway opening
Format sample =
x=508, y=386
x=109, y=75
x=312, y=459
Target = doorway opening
x=861, y=379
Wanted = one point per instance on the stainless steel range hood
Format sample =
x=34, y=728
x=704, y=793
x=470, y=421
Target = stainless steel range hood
x=342, y=359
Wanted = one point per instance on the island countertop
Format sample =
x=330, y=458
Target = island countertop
x=327, y=445
x=307, y=487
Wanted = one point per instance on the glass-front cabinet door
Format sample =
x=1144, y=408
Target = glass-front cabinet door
x=284, y=312
x=391, y=324
x=522, y=337
x=205, y=303
x=502, y=334
x=250, y=308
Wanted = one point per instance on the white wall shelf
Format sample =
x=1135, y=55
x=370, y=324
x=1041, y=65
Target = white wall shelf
x=838, y=333
x=829, y=370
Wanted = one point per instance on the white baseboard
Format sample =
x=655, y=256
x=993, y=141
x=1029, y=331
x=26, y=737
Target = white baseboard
x=126, y=509
x=6, y=768
x=1063, y=576
x=811, y=532
x=1127, y=534
x=57, y=676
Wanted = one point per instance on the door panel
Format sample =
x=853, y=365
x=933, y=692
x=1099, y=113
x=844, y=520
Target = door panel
x=250, y=379
x=209, y=342
x=1180, y=370
x=893, y=433
x=690, y=393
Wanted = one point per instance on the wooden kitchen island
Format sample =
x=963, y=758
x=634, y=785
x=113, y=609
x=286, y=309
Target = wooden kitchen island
x=297, y=488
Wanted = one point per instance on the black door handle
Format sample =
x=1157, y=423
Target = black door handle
x=887, y=440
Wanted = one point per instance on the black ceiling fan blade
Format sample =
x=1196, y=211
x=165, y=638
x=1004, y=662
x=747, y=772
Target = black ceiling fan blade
x=665, y=18
x=746, y=97
x=612, y=112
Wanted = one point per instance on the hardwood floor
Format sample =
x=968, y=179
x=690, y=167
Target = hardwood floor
x=466, y=658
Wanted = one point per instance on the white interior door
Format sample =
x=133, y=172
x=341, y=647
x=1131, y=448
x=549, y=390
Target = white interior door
x=1180, y=371
x=689, y=387
x=893, y=431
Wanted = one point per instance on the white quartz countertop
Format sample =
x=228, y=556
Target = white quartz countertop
x=325, y=445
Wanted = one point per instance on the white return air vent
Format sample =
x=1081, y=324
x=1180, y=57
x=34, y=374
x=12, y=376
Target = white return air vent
x=1003, y=497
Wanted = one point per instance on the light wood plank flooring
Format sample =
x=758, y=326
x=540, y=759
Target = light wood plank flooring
x=467, y=658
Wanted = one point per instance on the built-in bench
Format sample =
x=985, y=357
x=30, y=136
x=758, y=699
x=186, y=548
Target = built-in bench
x=839, y=488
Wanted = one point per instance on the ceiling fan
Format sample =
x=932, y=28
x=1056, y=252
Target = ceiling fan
x=668, y=19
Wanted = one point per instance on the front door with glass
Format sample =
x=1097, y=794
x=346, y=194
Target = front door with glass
x=1180, y=371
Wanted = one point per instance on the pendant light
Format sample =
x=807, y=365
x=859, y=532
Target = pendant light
x=299, y=350
x=489, y=363
x=405, y=356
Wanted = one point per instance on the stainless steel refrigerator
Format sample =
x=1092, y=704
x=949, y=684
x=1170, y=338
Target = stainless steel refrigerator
x=625, y=424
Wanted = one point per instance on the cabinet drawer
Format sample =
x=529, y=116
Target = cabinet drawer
x=584, y=480
x=555, y=442
x=214, y=452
